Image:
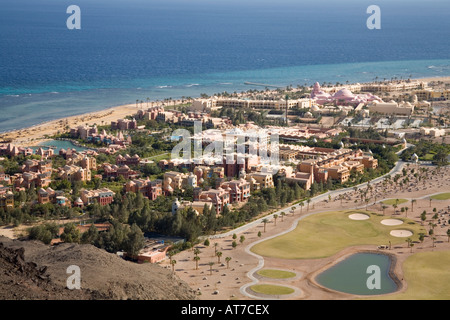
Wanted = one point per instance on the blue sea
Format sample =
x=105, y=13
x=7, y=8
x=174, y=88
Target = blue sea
x=138, y=49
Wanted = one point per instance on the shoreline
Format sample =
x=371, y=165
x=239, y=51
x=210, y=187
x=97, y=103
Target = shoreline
x=35, y=134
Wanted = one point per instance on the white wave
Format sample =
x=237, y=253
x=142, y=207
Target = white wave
x=191, y=85
x=163, y=87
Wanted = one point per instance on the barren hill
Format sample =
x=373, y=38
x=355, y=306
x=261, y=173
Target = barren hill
x=31, y=270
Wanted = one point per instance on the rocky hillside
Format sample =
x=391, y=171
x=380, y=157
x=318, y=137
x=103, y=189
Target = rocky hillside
x=32, y=270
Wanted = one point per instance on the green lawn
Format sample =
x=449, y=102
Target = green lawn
x=324, y=234
x=276, y=274
x=427, y=157
x=271, y=289
x=427, y=275
x=441, y=196
x=390, y=202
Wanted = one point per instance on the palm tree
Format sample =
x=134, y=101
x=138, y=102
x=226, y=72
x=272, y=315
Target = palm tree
x=384, y=207
x=196, y=259
x=423, y=216
x=265, y=222
x=409, y=241
x=406, y=210
x=302, y=203
x=173, y=262
x=215, y=248
x=218, y=254
x=412, y=204
x=210, y=267
x=282, y=215
x=293, y=209
x=275, y=217
x=228, y=259
x=308, y=201
x=197, y=251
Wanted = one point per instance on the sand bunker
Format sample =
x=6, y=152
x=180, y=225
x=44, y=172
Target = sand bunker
x=401, y=233
x=358, y=216
x=391, y=222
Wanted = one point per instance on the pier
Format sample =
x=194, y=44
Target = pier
x=262, y=84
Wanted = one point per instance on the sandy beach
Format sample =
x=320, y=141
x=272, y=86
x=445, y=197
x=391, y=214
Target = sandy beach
x=34, y=135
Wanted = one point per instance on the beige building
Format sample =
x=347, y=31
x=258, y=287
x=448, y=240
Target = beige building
x=430, y=95
x=433, y=132
x=210, y=104
x=264, y=179
x=405, y=109
x=393, y=86
x=74, y=173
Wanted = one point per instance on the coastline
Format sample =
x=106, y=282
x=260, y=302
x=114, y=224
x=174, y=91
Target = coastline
x=36, y=134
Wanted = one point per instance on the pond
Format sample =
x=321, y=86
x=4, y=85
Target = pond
x=356, y=275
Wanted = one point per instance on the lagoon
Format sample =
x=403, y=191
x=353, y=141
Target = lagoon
x=58, y=145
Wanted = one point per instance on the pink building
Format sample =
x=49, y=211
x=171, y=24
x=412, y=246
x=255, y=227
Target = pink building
x=343, y=97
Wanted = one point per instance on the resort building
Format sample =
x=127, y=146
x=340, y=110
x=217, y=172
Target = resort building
x=115, y=171
x=83, y=132
x=13, y=151
x=102, y=196
x=239, y=190
x=391, y=108
x=341, y=97
x=337, y=164
x=393, y=86
x=264, y=179
x=197, y=206
x=219, y=197
x=74, y=173
x=304, y=179
x=27, y=179
x=215, y=103
x=433, y=132
x=178, y=181
x=6, y=200
x=149, y=189
x=431, y=95
x=128, y=160
x=124, y=124
x=37, y=166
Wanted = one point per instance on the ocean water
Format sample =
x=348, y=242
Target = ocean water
x=138, y=49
